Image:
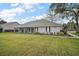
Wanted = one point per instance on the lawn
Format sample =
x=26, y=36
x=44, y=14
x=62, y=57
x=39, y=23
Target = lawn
x=76, y=34
x=15, y=44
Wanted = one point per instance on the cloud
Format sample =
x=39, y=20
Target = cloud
x=5, y=14
x=31, y=10
x=18, y=10
x=27, y=19
x=41, y=7
x=11, y=12
x=10, y=15
x=38, y=17
x=21, y=21
x=29, y=5
x=24, y=20
x=14, y=4
x=11, y=19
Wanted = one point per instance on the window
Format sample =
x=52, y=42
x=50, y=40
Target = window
x=29, y=29
x=49, y=28
x=46, y=29
x=1, y=29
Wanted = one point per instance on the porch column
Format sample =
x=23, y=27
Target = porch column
x=14, y=29
x=19, y=30
x=49, y=30
x=3, y=30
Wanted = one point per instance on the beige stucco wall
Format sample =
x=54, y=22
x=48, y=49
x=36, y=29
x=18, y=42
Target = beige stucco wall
x=42, y=29
x=53, y=30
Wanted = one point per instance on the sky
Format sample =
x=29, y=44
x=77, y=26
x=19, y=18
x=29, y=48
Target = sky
x=23, y=12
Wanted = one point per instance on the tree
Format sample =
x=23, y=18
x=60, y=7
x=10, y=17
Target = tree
x=67, y=9
x=71, y=25
x=65, y=28
x=2, y=21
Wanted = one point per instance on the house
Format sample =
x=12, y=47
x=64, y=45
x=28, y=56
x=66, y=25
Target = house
x=8, y=27
x=39, y=26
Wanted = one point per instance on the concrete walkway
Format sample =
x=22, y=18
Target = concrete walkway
x=64, y=36
x=75, y=36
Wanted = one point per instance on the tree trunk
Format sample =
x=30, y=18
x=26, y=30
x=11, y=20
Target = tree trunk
x=77, y=25
x=76, y=19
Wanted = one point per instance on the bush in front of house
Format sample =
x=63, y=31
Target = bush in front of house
x=60, y=34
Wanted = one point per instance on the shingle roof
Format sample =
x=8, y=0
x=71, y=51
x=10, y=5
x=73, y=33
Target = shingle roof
x=39, y=23
x=10, y=25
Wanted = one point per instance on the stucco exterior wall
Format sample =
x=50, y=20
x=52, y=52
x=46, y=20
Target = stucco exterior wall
x=42, y=29
x=51, y=30
x=55, y=30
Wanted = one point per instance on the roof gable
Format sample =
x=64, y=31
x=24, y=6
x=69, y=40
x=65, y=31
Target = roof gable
x=39, y=23
x=10, y=25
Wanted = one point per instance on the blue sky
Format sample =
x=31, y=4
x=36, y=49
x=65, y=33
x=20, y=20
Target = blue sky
x=23, y=12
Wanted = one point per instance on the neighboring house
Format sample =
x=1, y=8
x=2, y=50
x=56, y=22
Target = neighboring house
x=8, y=27
x=39, y=26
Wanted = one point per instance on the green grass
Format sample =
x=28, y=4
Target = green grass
x=14, y=44
x=77, y=33
x=60, y=34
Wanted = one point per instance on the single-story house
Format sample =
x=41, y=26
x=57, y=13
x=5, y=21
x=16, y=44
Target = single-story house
x=39, y=26
x=8, y=27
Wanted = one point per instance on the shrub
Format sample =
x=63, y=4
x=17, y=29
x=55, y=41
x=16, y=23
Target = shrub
x=60, y=34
